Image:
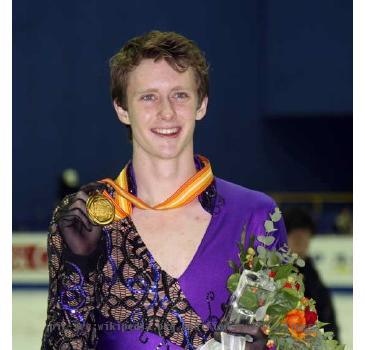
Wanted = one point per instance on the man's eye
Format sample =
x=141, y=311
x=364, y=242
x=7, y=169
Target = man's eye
x=181, y=95
x=149, y=97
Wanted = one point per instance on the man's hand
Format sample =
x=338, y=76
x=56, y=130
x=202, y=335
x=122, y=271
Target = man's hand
x=259, y=338
x=79, y=232
x=255, y=339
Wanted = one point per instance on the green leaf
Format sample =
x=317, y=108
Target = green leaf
x=233, y=266
x=252, y=239
x=283, y=271
x=256, y=264
x=321, y=324
x=267, y=240
x=263, y=262
x=232, y=282
x=290, y=341
x=292, y=292
x=273, y=259
x=276, y=216
x=277, y=310
x=295, y=269
x=328, y=335
x=241, y=252
x=243, y=234
x=261, y=251
x=248, y=300
x=240, y=247
x=269, y=226
x=333, y=345
x=287, y=299
x=300, y=262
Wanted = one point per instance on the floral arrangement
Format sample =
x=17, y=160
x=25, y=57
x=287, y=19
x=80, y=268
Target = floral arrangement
x=286, y=316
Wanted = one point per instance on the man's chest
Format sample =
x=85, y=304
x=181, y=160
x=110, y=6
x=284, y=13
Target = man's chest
x=172, y=237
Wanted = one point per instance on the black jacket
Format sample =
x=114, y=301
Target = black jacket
x=314, y=288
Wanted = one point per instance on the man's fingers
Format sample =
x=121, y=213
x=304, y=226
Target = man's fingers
x=79, y=202
x=93, y=186
x=80, y=196
x=255, y=339
x=76, y=213
x=75, y=206
x=257, y=345
x=73, y=223
x=245, y=329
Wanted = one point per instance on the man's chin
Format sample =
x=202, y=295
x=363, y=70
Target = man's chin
x=170, y=153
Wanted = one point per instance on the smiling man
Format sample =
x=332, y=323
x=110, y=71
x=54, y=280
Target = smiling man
x=141, y=261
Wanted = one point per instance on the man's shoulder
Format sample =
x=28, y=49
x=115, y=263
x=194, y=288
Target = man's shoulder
x=240, y=195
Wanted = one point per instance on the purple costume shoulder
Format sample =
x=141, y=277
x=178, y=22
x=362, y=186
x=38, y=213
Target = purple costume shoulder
x=253, y=208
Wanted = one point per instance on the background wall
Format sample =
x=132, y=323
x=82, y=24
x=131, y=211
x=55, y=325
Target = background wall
x=279, y=116
x=280, y=110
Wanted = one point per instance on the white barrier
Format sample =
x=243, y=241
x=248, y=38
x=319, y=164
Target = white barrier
x=30, y=261
x=333, y=258
x=332, y=255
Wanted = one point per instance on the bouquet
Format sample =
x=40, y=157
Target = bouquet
x=268, y=291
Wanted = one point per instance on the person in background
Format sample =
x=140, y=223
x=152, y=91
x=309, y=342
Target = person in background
x=343, y=222
x=300, y=229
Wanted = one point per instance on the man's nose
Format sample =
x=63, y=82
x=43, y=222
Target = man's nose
x=167, y=110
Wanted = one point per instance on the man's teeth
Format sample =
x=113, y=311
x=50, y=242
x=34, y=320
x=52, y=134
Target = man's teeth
x=166, y=131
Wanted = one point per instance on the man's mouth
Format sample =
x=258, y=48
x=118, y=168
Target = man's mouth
x=166, y=132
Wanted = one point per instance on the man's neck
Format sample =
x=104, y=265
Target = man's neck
x=157, y=179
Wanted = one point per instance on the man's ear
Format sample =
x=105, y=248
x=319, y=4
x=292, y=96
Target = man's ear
x=202, y=110
x=121, y=113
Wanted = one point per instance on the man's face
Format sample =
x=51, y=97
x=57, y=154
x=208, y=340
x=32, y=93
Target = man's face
x=162, y=109
x=298, y=241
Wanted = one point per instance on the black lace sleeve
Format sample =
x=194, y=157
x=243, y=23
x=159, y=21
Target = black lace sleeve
x=70, y=320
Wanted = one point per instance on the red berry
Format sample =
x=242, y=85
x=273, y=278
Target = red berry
x=310, y=317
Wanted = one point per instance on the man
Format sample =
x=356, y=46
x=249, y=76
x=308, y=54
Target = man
x=154, y=275
x=301, y=228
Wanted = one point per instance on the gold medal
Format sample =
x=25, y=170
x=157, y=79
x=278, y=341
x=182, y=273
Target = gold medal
x=100, y=209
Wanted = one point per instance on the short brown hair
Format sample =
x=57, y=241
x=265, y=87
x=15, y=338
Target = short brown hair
x=179, y=52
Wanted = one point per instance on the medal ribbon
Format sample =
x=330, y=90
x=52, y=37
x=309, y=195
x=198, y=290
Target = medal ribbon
x=191, y=189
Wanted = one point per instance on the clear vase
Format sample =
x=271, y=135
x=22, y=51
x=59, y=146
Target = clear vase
x=247, y=305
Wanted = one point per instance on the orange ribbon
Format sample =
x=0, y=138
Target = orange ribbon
x=191, y=189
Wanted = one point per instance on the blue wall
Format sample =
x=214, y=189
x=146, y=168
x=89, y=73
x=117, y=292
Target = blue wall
x=280, y=110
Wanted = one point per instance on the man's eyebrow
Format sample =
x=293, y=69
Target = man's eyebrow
x=147, y=90
x=179, y=87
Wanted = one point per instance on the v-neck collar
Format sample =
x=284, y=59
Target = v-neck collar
x=193, y=259
x=207, y=200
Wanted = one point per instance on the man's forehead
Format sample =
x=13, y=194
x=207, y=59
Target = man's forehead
x=150, y=71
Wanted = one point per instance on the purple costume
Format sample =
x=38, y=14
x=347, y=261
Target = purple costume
x=127, y=302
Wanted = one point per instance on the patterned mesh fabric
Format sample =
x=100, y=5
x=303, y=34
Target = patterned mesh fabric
x=119, y=283
x=70, y=320
x=135, y=291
